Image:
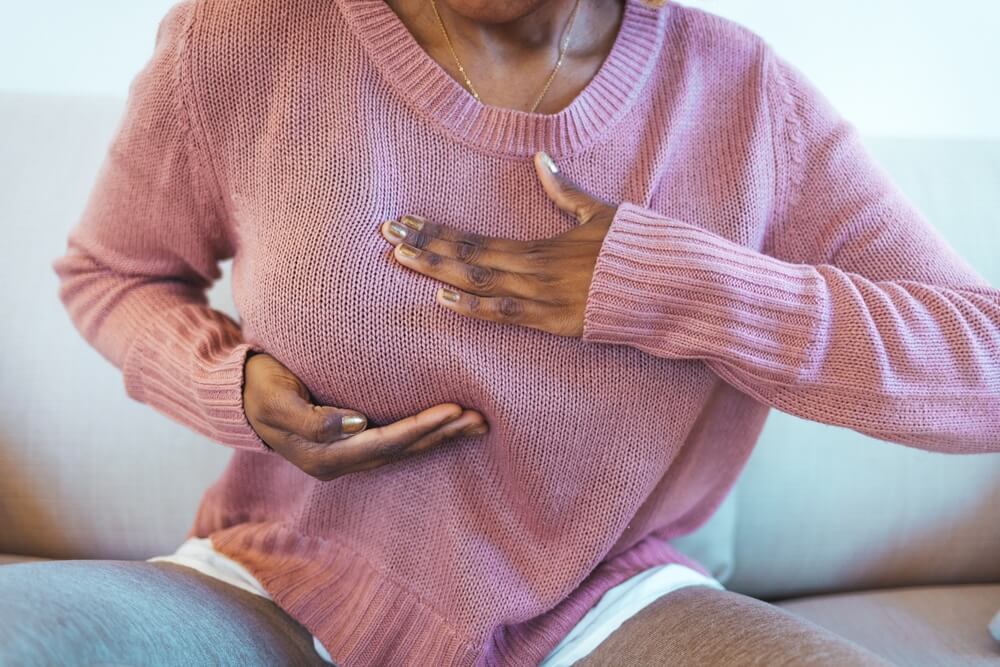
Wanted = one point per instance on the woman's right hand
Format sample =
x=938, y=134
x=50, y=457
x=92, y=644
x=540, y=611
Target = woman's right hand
x=320, y=442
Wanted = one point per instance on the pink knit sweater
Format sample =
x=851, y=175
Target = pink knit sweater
x=760, y=258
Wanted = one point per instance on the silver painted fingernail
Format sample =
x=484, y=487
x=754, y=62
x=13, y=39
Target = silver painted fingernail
x=352, y=423
x=398, y=230
x=549, y=163
x=413, y=221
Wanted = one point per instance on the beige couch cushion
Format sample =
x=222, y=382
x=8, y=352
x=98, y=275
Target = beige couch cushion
x=916, y=627
x=821, y=509
x=10, y=559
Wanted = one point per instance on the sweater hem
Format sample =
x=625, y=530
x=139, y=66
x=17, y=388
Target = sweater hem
x=301, y=572
x=346, y=619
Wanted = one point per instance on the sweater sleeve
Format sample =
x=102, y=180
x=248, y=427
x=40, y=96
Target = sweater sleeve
x=139, y=260
x=857, y=314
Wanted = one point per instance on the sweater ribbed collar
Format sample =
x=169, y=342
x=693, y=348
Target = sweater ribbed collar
x=435, y=95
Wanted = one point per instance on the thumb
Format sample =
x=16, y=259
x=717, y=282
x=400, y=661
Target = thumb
x=562, y=190
x=322, y=423
x=282, y=401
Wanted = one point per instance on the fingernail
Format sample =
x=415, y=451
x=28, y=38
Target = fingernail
x=397, y=230
x=448, y=295
x=352, y=423
x=408, y=251
x=478, y=430
x=549, y=163
x=413, y=221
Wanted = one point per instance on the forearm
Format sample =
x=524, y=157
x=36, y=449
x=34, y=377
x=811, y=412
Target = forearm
x=905, y=361
x=176, y=353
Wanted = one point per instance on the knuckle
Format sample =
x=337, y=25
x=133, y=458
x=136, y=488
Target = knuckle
x=473, y=303
x=432, y=439
x=431, y=259
x=388, y=448
x=472, y=238
x=418, y=238
x=590, y=210
x=570, y=187
x=468, y=252
x=441, y=438
x=318, y=431
x=509, y=308
x=534, y=254
x=481, y=277
x=546, y=278
x=315, y=467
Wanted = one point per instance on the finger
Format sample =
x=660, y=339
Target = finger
x=563, y=191
x=518, y=261
x=469, y=421
x=386, y=441
x=419, y=225
x=505, y=309
x=483, y=280
x=470, y=424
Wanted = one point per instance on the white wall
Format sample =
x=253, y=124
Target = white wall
x=891, y=67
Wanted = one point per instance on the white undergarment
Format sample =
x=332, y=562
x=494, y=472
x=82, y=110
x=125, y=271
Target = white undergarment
x=612, y=609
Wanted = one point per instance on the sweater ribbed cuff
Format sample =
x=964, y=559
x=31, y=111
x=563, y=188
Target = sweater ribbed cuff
x=198, y=383
x=676, y=290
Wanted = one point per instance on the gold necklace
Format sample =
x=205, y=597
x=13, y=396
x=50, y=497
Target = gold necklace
x=562, y=52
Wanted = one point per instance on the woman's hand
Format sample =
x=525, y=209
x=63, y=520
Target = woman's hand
x=327, y=442
x=541, y=284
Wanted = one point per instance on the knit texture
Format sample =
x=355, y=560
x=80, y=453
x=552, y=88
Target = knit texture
x=760, y=258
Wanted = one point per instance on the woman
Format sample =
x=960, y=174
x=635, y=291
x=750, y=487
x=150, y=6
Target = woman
x=552, y=371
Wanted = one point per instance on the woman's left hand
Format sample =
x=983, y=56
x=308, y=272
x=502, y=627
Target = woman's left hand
x=541, y=284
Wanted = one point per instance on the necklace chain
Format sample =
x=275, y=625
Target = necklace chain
x=562, y=53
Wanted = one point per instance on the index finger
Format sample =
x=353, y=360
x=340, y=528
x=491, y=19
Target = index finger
x=425, y=230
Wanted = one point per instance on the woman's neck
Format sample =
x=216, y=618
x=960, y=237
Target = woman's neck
x=508, y=59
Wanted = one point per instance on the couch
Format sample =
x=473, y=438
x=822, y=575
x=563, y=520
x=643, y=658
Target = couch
x=893, y=547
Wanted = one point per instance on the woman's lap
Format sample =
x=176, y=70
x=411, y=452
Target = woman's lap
x=701, y=626
x=110, y=612
x=105, y=612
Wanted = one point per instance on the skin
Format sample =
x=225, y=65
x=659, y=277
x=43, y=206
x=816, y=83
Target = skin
x=509, y=49
x=280, y=409
x=541, y=284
